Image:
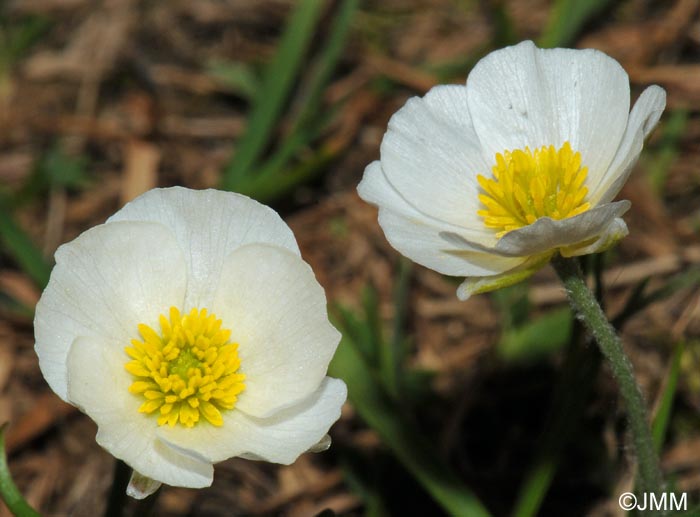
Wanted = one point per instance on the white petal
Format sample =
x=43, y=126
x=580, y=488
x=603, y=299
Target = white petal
x=426, y=245
x=106, y=282
x=276, y=310
x=431, y=156
x=376, y=188
x=547, y=234
x=644, y=117
x=208, y=225
x=280, y=438
x=524, y=96
x=98, y=384
x=418, y=236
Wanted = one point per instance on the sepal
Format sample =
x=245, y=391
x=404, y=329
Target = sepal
x=140, y=486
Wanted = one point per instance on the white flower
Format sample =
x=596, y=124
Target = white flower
x=488, y=181
x=191, y=331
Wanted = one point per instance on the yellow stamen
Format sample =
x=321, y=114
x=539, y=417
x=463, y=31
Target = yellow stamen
x=188, y=371
x=527, y=186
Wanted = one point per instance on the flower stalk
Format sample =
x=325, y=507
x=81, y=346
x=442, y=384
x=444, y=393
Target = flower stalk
x=593, y=318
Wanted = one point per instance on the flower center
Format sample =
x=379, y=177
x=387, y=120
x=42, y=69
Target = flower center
x=528, y=185
x=187, y=371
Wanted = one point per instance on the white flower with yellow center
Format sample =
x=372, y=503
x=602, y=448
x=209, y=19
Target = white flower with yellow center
x=191, y=331
x=488, y=181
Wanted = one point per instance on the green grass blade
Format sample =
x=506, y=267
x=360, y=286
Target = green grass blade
x=539, y=338
x=272, y=179
x=18, y=245
x=359, y=333
x=8, y=490
x=59, y=168
x=566, y=20
x=320, y=74
x=504, y=32
x=17, y=38
x=277, y=83
x=55, y=168
x=663, y=413
x=535, y=487
x=394, y=352
x=268, y=191
x=238, y=77
x=513, y=305
x=373, y=324
x=573, y=388
x=412, y=449
x=25, y=34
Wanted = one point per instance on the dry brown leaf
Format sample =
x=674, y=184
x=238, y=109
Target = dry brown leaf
x=95, y=47
x=140, y=169
x=19, y=287
x=47, y=410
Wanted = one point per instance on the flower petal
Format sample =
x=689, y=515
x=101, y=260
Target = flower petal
x=276, y=310
x=644, y=117
x=547, y=234
x=208, y=225
x=430, y=155
x=417, y=236
x=522, y=96
x=106, y=282
x=280, y=438
x=98, y=384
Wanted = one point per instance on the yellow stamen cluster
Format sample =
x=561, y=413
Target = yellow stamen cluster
x=528, y=185
x=186, y=372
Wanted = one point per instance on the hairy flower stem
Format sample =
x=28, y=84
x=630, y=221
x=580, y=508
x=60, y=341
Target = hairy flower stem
x=584, y=303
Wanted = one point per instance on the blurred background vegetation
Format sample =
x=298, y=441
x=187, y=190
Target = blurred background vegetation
x=499, y=402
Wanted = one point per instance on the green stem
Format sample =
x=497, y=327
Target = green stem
x=8, y=490
x=585, y=304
